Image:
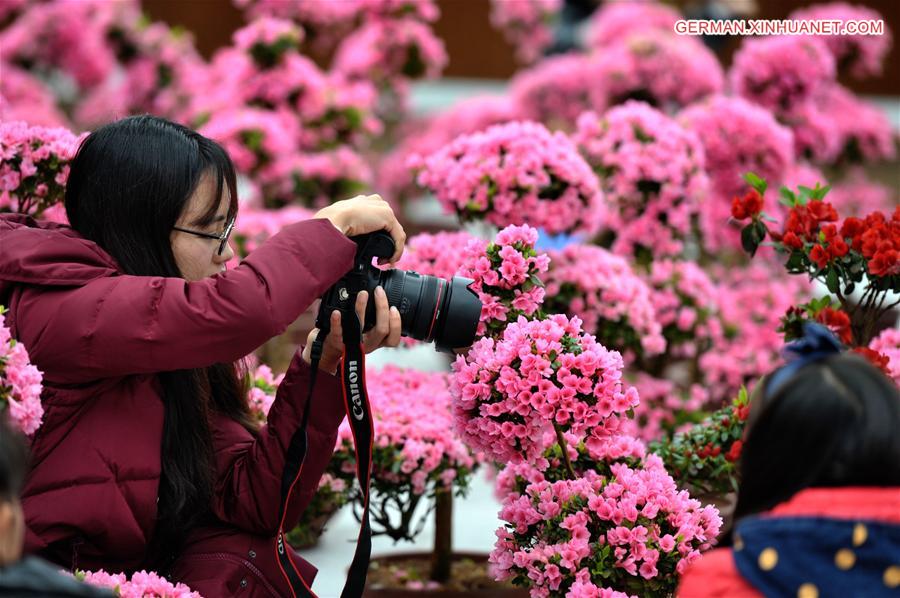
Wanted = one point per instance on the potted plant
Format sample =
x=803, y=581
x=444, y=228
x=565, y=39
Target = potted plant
x=588, y=511
x=844, y=254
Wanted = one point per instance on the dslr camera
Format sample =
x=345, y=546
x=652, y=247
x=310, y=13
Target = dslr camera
x=431, y=308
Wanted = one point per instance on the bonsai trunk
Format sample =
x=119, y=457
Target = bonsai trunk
x=443, y=536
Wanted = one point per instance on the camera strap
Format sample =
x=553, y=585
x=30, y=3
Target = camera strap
x=359, y=415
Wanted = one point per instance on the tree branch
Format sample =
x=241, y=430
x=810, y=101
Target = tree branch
x=565, y=451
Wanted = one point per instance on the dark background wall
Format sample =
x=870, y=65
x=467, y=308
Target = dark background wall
x=477, y=50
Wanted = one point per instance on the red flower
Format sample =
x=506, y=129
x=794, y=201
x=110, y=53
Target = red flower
x=819, y=256
x=852, y=227
x=822, y=211
x=748, y=206
x=875, y=218
x=753, y=202
x=735, y=451
x=802, y=223
x=793, y=241
x=838, y=321
x=737, y=209
x=742, y=412
x=838, y=248
x=885, y=263
x=880, y=360
x=873, y=238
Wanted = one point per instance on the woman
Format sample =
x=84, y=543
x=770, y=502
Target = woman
x=818, y=510
x=148, y=457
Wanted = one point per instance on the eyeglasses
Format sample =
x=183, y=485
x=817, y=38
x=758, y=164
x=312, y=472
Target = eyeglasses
x=222, y=238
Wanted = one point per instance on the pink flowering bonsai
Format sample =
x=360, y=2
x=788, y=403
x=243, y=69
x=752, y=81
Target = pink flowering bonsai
x=586, y=510
x=417, y=462
x=516, y=173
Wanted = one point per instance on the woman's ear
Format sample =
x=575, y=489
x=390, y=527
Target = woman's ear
x=12, y=531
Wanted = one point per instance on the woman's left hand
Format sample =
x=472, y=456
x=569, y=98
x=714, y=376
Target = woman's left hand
x=386, y=332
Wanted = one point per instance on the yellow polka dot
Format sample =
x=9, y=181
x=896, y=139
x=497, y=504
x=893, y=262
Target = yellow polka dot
x=860, y=533
x=892, y=576
x=808, y=590
x=738, y=543
x=844, y=559
x=768, y=558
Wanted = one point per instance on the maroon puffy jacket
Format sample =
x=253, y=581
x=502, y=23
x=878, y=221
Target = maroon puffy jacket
x=100, y=337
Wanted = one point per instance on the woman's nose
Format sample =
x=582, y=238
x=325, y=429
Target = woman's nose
x=226, y=255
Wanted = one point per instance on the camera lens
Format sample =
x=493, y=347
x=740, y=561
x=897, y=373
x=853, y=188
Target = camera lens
x=434, y=309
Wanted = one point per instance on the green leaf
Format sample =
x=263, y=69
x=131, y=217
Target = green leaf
x=761, y=230
x=819, y=192
x=795, y=262
x=831, y=280
x=756, y=182
x=748, y=240
x=787, y=197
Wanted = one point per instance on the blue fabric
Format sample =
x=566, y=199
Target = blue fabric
x=817, y=343
x=807, y=548
x=547, y=242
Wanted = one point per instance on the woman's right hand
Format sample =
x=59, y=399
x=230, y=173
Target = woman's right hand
x=366, y=214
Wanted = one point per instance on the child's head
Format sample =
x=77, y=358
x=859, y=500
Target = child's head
x=13, y=463
x=832, y=423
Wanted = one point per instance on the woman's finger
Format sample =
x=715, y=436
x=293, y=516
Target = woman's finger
x=396, y=328
x=362, y=300
x=335, y=339
x=399, y=236
x=382, y=320
x=393, y=227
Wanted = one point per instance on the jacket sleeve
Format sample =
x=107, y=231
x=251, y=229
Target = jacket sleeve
x=715, y=575
x=122, y=325
x=247, y=493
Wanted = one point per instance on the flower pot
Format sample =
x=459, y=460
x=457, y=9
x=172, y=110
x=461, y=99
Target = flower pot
x=469, y=577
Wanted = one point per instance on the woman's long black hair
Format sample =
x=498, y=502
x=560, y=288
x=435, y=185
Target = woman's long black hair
x=129, y=183
x=833, y=424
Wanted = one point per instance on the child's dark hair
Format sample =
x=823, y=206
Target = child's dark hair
x=833, y=423
x=13, y=461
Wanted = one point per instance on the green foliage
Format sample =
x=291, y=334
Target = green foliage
x=703, y=459
x=752, y=236
x=268, y=55
x=755, y=181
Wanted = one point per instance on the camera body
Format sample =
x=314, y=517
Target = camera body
x=431, y=308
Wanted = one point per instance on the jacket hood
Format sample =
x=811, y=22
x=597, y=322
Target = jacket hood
x=49, y=254
x=839, y=541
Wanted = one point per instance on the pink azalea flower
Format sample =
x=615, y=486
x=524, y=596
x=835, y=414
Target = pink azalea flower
x=34, y=166
x=517, y=173
x=652, y=172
